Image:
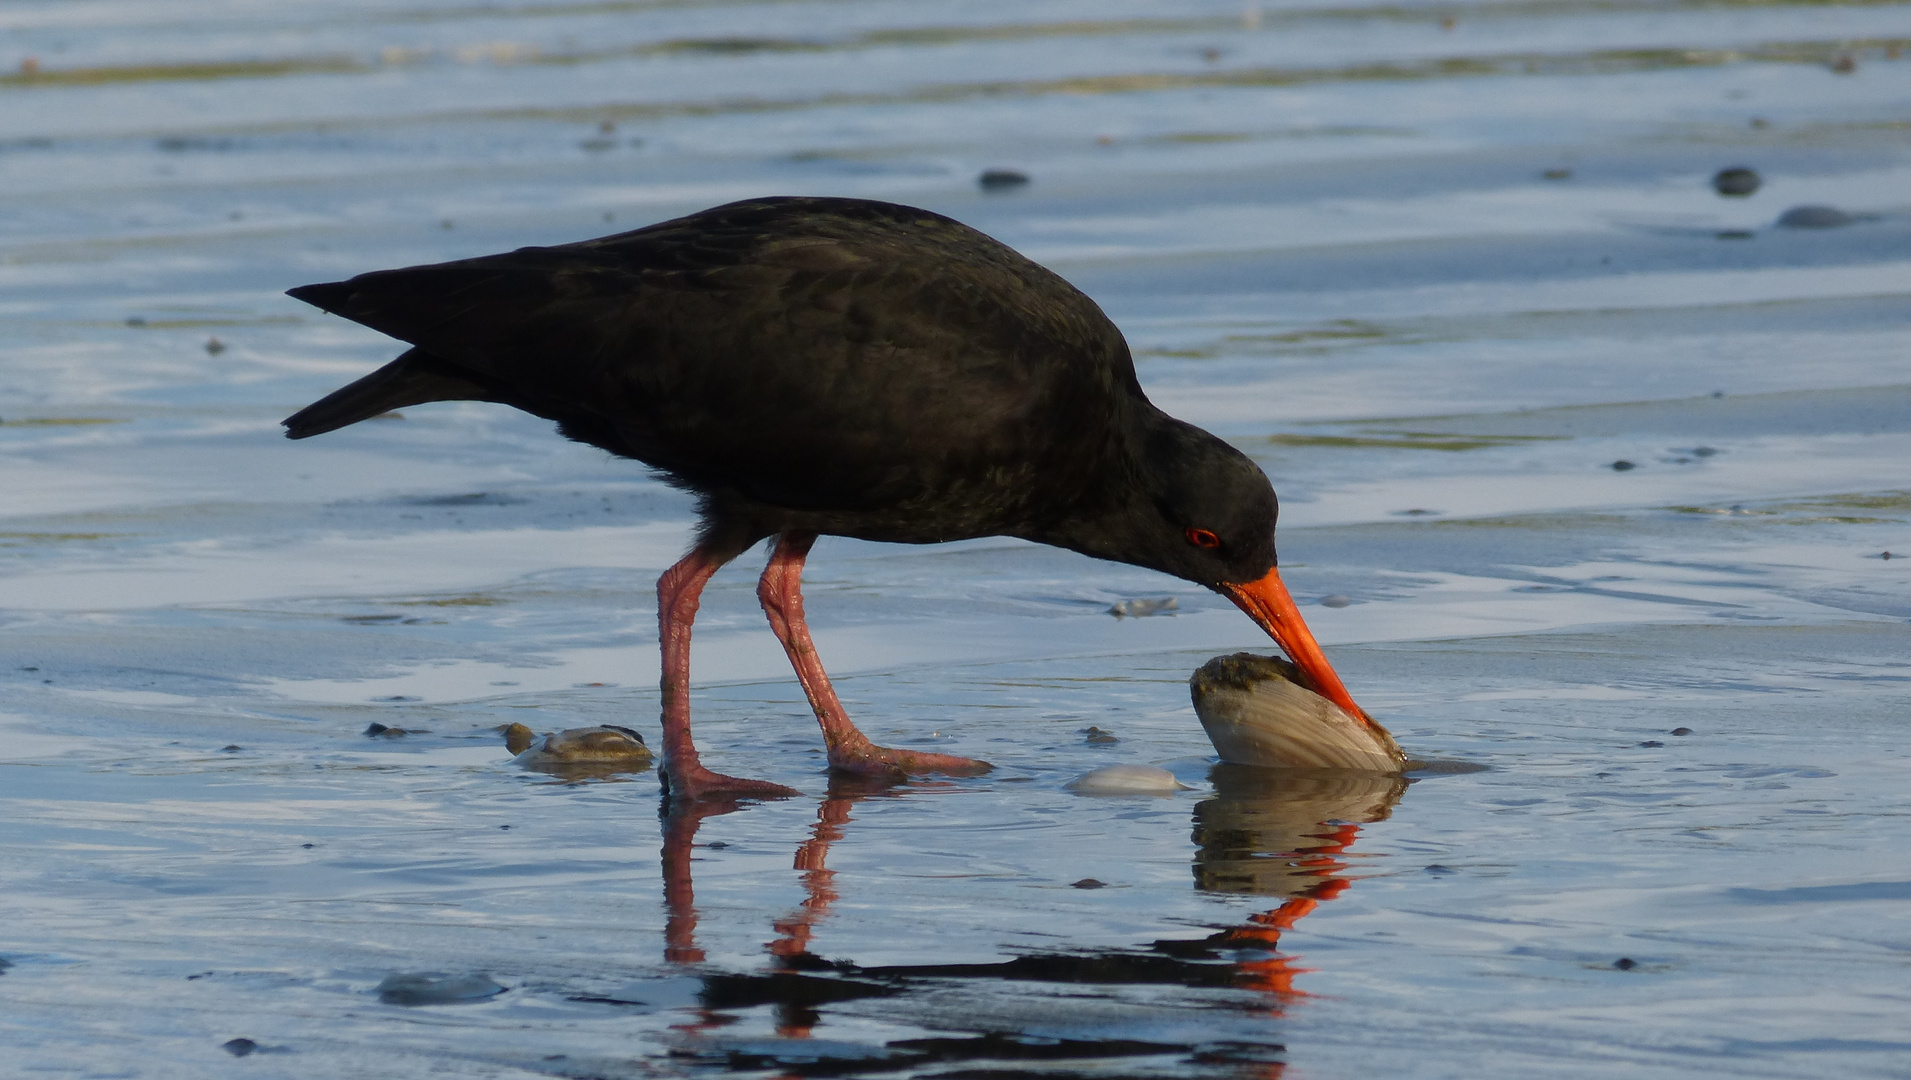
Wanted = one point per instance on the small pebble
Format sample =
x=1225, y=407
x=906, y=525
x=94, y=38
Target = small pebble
x=1651, y=743
x=1436, y=868
x=1625, y=963
x=1558, y=174
x=1736, y=182
x=1681, y=731
x=214, y=346
x=231, y=748
x=1087, y=883
x=1001, y=179
x=1126, y=780
x=1814, y=217
x=1704, y=451
x=1100, y=736
x=375, y=730
x=308, y=845
x=717, y=845
x=1336, y=600
x=135, y=320
x=1844, y=64
x=1622, y=465
x=239, y=1047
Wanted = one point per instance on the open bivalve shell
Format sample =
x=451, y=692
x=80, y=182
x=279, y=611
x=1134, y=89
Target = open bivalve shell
x=1258, y=711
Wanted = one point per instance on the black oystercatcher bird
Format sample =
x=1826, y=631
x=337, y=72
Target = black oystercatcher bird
x=840, y=366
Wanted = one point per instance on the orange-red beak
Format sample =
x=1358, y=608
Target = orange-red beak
x=1266, y=602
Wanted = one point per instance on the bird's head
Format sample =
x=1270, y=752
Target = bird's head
x=1212, y=522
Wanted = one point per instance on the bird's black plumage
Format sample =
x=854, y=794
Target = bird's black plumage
x=835, y=366
x=811, y=366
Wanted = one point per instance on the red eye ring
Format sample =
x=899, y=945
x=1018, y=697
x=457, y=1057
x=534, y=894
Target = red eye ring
x=1202, y=538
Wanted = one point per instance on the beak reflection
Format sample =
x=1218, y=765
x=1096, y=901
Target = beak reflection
x=1283, y=833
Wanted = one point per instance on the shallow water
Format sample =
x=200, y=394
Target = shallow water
x=1437, y=277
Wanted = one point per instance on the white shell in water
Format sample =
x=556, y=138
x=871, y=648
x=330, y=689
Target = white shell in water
x=1257, y=712
x=1126, y=780
x=608, y=749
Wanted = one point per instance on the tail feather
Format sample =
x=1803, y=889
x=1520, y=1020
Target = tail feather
x=412, y=379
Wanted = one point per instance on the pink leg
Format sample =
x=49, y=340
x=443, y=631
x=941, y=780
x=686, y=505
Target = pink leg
x=678, y=592
x=781, y=591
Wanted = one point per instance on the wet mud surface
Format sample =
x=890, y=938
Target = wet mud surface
x=1440, y=271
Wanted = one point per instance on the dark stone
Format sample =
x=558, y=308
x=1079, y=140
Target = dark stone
x=1736, y=182
x=1087, y=883
x=1625, y=963
x=1001, y=179
x=1622, y=465
x=1814, y=217
x=1651, y=743
x=239, y=1047
x=1681, y=731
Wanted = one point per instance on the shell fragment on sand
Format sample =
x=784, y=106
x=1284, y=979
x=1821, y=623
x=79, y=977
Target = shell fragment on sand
x=592, y=749
x=1258, y=711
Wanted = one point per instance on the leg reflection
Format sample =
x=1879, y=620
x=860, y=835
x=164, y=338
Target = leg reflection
x=681, y=819
x=794, y=931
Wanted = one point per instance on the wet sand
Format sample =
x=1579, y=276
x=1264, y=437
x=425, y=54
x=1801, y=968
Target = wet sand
x=1439, y=279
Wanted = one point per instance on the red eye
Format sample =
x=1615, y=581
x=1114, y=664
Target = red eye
x=1202, y=538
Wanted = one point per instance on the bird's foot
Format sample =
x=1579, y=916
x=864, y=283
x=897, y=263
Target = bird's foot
x=868, y=759
x=696, y=783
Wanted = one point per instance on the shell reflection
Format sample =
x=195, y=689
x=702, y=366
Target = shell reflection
x=1280, y=832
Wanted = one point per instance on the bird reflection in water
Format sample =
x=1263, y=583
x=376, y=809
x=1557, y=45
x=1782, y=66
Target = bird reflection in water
x=1277, y=833
x=1285, y=833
